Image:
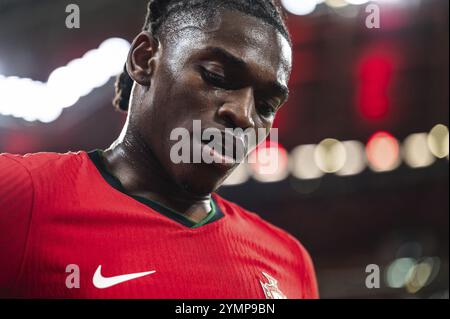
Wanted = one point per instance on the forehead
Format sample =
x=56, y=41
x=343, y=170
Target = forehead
x=259, y=44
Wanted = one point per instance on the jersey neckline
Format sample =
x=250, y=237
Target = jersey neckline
x=215, y=214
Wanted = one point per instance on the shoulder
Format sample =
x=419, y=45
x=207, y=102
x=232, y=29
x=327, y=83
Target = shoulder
x=251, y=219
x=42, y=171
x=41, y=158
x=38, y=162
x=22, y=179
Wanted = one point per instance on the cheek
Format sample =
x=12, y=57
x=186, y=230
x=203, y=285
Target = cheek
x=175, y=101
x=193, y=98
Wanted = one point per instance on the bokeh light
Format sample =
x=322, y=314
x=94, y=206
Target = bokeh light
x=438, y=141
x=297, y=7
x=330, y=155
x=302, y=163
x=399, y=272
x=415, y=151
x=382, y=151
x=356, y=160
x=45, y=101
x=269, y=162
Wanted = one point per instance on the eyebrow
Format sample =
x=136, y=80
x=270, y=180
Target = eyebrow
x=230, y=58
x=225, y=55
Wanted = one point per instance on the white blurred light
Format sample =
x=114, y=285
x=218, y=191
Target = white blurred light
x=336, y=3
x=330, y=155
x=302, y=163
x=415, y=151
x=34, y=100
x=269, y=164
x=399, y=272
x=357, y=2
x=356, y=160
x=438, y=141
x=394, y=1
x=239, y=176
x=304, y=7
x=299, y=7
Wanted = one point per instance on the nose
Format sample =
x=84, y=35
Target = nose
x=237, y=109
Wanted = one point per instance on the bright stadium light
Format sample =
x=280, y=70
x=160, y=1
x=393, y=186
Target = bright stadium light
x=383, y=152
x=35, y=100
x=357, y=2
x=415, y=151
x=330, y=155
x=438, y=141
x=299, y=7
x=399, y=272
x=336, y=3
x=356, y=160
x=302, y=164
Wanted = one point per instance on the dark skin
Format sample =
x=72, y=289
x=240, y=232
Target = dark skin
x=223, y=73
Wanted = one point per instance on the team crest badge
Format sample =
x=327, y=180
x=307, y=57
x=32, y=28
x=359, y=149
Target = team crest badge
x=270, y=288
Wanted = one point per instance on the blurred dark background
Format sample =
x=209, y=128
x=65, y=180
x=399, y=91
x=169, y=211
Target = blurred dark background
x=385, y=89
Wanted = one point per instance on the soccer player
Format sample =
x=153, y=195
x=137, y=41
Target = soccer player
x=129, y=222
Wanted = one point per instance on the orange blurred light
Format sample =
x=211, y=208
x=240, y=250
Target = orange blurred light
x=383, y=151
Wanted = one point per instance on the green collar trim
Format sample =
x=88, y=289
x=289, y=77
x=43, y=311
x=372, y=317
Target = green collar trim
x=208, y=217
x=214, y=214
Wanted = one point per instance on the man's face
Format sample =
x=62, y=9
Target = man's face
x=232, y=73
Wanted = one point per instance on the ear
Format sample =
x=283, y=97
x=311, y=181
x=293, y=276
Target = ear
x=142, y=57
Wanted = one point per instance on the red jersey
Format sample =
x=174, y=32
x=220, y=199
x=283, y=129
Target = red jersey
x=66, y=232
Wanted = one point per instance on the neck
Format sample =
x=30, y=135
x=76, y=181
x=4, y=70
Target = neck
x=141, y=174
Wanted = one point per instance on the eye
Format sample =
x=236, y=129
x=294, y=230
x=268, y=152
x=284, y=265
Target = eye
x=266, y=110
x=214, y=78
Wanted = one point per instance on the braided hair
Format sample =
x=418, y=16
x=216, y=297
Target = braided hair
x=158, y=11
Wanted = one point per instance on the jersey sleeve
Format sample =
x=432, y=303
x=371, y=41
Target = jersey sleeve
x=16, y=203
x=310, y=289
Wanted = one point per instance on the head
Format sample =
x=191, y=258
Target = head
x=223, y=62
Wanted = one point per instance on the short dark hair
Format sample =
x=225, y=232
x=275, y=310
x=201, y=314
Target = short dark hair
x=158, y=12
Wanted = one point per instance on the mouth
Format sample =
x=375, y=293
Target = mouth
x=227, y=151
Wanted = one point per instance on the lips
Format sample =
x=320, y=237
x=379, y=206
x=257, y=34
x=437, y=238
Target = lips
x=229, y=146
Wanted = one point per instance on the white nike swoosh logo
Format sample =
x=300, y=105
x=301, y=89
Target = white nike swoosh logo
x=105, y=282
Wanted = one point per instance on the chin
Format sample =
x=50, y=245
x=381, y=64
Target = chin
x=202, y=181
